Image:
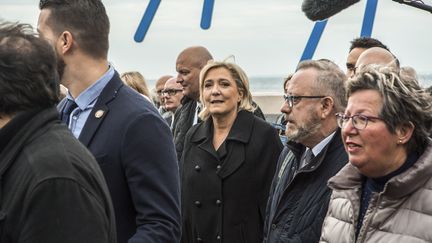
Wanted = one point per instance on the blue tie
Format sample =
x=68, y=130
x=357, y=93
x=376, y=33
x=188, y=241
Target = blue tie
x=69, y=107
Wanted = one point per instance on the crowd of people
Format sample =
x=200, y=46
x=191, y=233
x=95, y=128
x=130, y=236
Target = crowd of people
x=350, y=159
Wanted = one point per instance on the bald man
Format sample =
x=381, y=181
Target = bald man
x=188, y=65
x=358, y=46
x=160, y=83
x=172, y=95
x=378, y=56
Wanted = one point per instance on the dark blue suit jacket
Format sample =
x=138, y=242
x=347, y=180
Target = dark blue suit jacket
x=134, y=148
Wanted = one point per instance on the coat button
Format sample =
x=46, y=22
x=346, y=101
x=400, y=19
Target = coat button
x=218, y=202
x=197, y=168
x=274, y=226
x=199, y=240
x=218, y=237
x=218, y=167
x=198, y=203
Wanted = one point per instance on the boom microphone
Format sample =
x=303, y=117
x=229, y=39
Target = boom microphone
x=324, y=9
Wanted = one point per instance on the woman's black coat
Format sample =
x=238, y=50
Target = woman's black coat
x=224, y=200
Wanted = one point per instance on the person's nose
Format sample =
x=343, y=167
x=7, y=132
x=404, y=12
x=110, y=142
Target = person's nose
x=179, y=79
x=285, y=107
x=348, y=128
x=215, y=89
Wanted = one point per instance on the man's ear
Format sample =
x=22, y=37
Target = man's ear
x=66, y=42
x=404, y=132
x=326, y=106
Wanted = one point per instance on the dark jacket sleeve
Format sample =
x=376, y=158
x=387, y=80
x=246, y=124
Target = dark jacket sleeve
x=61, y=210
x=152, y=174
x=281, y=157
x=272, y=147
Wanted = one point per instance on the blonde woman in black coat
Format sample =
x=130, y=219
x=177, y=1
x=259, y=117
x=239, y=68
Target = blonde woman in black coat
x=228, y=162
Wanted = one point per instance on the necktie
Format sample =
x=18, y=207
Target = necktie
x=69, y=107
x=307, y=157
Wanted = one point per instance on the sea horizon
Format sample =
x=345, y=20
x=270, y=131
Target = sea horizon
x=273, y=85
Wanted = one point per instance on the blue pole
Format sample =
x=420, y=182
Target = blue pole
x=313, y=40
x=146, y=20
x=207, y=13
x=369, y=17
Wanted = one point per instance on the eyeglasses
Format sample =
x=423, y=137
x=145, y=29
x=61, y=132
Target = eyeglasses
x=170, y=92
x=358, y=121
x=293, y=99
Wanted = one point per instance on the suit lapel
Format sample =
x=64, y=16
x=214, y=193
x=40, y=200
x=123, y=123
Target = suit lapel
x=237, y=139
x=100, y=110
x=238, y=136
x=233, y=161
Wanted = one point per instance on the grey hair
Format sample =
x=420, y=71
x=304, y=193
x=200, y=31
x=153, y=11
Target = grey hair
x=239, y=77
x=404, y=101
x=330, y=81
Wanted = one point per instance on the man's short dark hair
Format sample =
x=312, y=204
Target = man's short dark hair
x=28, y=75
x=87, y=20
x=366, y=42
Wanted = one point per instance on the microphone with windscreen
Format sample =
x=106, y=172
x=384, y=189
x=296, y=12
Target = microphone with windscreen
x=324, y=9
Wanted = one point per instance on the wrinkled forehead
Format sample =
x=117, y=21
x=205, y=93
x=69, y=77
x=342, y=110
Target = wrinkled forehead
x=172, y=83
x=190, y=60
x=302, y=81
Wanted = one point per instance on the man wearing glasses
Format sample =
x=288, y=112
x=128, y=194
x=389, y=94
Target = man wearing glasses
x=172, y=95
x=299, y=194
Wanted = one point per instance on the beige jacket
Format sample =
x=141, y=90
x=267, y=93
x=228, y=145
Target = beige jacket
x=401, y=213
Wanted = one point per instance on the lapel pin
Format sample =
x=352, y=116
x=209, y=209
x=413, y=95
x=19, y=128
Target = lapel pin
x=99, y=114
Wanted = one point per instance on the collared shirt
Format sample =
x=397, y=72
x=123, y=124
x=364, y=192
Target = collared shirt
x=197, y=111
x=318, y=148
x=86, y=101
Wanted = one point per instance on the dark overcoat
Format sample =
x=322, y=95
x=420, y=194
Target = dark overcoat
x=134, y=148
x=51, y=188
x=223, y=200
x=299, y=197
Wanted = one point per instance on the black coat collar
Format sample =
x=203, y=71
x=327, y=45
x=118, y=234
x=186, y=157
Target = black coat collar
x=13, y=127
x=240, y=131
x=30, y=123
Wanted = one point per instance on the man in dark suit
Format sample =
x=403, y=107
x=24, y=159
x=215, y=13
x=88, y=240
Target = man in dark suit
x=299, y=195
x=131, y=142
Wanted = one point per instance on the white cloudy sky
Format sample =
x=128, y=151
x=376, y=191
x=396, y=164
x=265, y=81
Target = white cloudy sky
x=267, y=37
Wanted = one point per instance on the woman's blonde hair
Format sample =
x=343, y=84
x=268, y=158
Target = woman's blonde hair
x=136, y=81
x=239, y=77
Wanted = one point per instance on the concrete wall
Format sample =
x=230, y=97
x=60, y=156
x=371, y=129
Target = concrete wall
x=270, y=104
